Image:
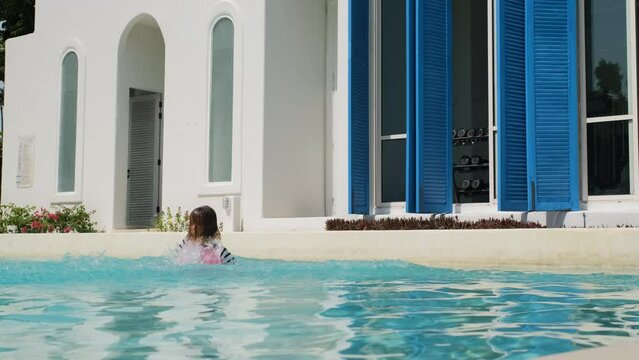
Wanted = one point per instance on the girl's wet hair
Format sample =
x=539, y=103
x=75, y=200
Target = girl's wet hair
x=203, y=224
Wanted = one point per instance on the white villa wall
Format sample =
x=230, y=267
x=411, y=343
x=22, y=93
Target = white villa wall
x=95, y=29
x=340, y=115
x=291, y=110
x=141, y=65
x=145, y=44
x=294, y=109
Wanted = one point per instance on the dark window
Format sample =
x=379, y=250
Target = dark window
x=606, y=57
x=608, y=161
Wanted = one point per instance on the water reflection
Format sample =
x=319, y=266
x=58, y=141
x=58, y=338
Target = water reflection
x=319, y=312
x=484, y=321
x=133, y=317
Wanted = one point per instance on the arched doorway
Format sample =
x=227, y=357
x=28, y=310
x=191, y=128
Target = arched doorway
x=139, y=125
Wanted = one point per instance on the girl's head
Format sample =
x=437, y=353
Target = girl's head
x=203, y=224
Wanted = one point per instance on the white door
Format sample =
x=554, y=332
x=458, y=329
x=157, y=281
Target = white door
x=143, y=190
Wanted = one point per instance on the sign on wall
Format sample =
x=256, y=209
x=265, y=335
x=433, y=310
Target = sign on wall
x=24, y=178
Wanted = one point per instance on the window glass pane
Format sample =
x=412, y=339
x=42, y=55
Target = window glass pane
x=608, y=161
x=68, y=120
x=470, y=101
x=470, y=64
x=393, y=67
x=221, y=126
x=606, y=58
x=394, y=170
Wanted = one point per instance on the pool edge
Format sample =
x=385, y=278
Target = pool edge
x=609, y=250
x=619, y=350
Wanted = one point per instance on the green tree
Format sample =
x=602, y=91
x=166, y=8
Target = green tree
x=609, y=77
x=19, y=19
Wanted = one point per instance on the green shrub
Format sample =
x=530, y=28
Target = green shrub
x=432, y=223
x=169, y=222
x=58, y=219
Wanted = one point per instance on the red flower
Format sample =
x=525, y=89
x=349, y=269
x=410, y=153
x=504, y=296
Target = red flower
x=23, y=229
x=36, y=225
x=53, y=217
x=67, y=229
x=50, y=228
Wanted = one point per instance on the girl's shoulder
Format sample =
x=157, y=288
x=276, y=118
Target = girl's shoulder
x=183, y=242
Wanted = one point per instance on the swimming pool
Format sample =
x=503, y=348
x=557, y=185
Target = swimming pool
x=151, y=308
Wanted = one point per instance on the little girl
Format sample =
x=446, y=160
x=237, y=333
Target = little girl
x=202, y=244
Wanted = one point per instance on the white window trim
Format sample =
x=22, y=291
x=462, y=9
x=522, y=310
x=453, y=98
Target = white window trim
x=633, y=108
x=474, y=208
x=75, y=197
x=378, y=207
x=492, y=118
x=234, y=187
x=491, y=204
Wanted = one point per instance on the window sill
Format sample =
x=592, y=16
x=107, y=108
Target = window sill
x=394, y=208
x=611, y=198
x=219, y=189
x=474, y=208
x=73, y=198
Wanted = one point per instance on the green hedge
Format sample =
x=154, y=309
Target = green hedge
x=432, y=223
x=167, y=221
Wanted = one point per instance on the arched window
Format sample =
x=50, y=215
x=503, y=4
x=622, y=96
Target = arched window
x=221, y=112
x=68, y=123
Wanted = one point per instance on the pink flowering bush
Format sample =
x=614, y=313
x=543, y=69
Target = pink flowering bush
x=59, y=219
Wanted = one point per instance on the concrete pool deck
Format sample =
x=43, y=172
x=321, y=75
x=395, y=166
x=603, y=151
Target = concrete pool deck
x=620, y=351
x=613, y=250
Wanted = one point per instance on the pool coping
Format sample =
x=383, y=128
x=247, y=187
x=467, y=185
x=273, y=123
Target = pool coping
x=578, y=250
x=619, y=351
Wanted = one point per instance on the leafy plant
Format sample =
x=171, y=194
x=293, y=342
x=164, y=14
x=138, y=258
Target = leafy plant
x=59, y=219
x=432, y=223
x=166, y=221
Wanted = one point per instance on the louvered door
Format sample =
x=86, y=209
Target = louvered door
x=358, y=117
x=511, y=105
x=434, y=107
x=553, y=143
x=144, y=161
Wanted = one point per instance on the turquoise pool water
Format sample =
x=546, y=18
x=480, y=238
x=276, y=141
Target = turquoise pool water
x=153, y=309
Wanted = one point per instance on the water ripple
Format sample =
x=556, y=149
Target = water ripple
x=153, y=309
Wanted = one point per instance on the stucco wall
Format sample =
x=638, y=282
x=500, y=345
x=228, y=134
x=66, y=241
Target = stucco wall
x=340, y=115
x=95, y=30
x=141, y=65
x=293, y=154
x=294, y=108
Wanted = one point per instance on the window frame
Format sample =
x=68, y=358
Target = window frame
x=375, y=142
x=75, y=196
x=379, y=207
x=233, y=187
x=491, y=204
x=631, y=117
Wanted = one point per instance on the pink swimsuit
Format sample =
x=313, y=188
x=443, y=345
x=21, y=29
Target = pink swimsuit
x=213, y=253
x=210, y=256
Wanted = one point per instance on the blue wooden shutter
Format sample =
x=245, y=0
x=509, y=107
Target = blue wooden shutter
x=551, y=62
x=511, y=105
x=411, y=154
x=358, y=97
x=434, y=120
